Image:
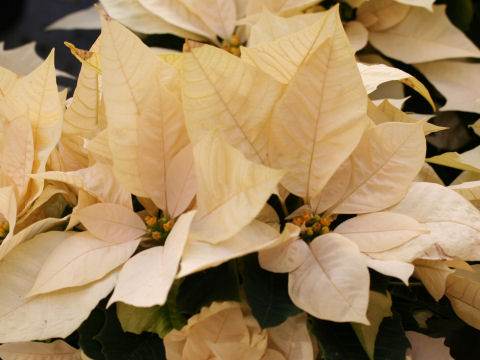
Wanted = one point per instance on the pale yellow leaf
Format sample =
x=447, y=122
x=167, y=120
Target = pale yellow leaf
x=200, y=255
x=56, y=350
x=333, y=283
x=475, y=127
x=357, y=35
x=380, y=231
x=134, y=15
x=10, y=242
x=52, y=315
x=85, y=19
x=292, y=338
x=269, y=216
x=222, y=91
x=281, y=7
x=424, y=347
x=469, y=160
x=161, y=134
x=424, y=36
x=23, y=59
x=378, y=308
x=385, y=162
x=454, y=225
x=220, y=326
x=8, y=211
x=427, y=174
x=285, y=257
x=97, y=180
x=328, y=102
x=398, y=269
x=427, y=4
x=112, y=223
x=84, y=199
x=79, y=260
x=458, y=81
x=178, y=14
x=7, y=80
x=380, y=15
x=433, y=274
x=50, y=204
x=181, y=182
x=90, y=59
x=271, y=27
x=218, y=15
x=38, y=95
x=127, y=82
x=355, y=3
x=376, y=74
x=231, y=189
x=462, y=291
x=81, y=118
x=99, y=148
x=146, y=278
x=282, y=57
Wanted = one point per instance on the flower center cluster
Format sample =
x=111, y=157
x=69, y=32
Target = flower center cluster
x=4, y=229
x=232, y=45
x=159, y=227
x=312, y=225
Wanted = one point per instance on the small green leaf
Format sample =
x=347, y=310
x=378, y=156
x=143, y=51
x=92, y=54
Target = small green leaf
x=156, y=319
x=267, y=293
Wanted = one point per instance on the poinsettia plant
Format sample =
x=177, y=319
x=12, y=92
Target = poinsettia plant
x=204, y=205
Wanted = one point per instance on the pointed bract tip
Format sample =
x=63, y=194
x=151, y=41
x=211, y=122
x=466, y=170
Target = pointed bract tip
x=103, y=13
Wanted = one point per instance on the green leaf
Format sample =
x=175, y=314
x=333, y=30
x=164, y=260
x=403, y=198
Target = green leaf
x=118, y=345
x=216, y=284
x=156, y=319
x=267, y=293
x=87, y=331
x=338, y=340
x=391, y=342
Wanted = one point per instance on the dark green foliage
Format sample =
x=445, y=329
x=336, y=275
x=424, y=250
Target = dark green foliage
x=267, y=293
x=117, y=345
x=338, y=340
x=391, y=342
x=87, y=331
x=201, y=289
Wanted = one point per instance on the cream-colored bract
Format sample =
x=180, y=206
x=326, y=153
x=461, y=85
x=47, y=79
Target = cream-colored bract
x=146, y=278
x=332, y=283
x=385, y=162
x=55, y=314
x=313, y=139
x=79, y=260
x=380, y=231
x=221, y=91
x=231, y=189
x=458, y=81
x=433, y=274
x=461, y=290
x=424, y=36
x=56, y=350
